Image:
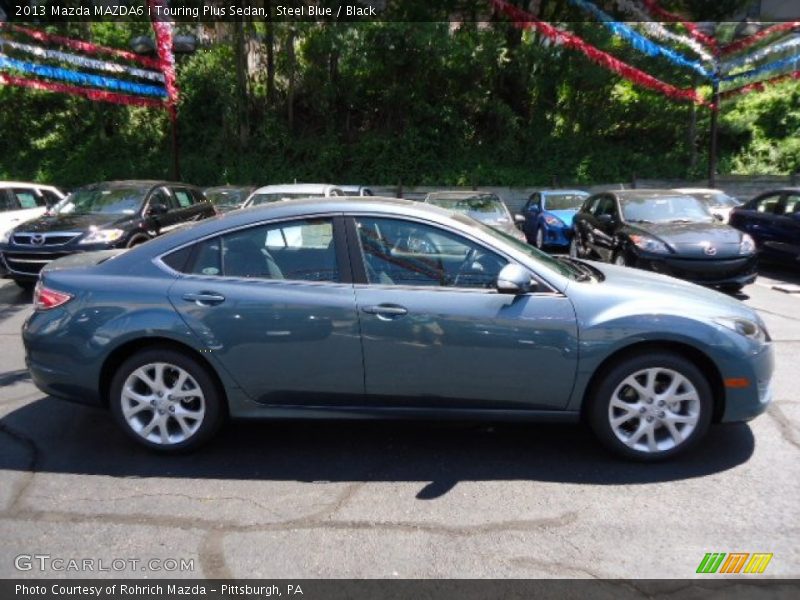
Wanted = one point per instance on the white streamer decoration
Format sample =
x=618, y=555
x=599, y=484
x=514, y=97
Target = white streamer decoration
x=657, y=30
x=82, y=61
x=748, y=60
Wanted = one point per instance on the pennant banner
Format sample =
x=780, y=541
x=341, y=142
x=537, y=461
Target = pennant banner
x=82, y=46
x=526, y=20
x=792, y=61
x=82, y=61
x=695, y=32
x=759, y=86
x=763, y=34
x=99, y=95
x=758, y=55
x=639, y=42
x=79, y=78
x=166, y=60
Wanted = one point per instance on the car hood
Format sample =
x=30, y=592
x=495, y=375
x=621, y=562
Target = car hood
x=628, y=291
x=72, y=222
x=565, y=215
x=692, y=239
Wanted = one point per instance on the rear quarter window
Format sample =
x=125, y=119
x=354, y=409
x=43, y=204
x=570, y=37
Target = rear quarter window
x=184, y=198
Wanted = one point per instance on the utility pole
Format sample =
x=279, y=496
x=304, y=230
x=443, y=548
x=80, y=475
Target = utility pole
x=712, y=150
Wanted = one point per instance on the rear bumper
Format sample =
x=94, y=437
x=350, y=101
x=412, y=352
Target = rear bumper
x=712, y=272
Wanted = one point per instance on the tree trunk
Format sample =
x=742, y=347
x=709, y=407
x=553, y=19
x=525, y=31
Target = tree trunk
x=290, y=56
x=270, y=43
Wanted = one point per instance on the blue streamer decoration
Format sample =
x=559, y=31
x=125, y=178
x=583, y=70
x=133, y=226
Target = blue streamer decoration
x=772, y=66
x=81, y=78
x=641, y=43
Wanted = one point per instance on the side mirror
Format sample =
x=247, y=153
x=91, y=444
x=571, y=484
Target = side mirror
x=519, y=219
x=514, y=279
x=605, y=219
x=156, y=209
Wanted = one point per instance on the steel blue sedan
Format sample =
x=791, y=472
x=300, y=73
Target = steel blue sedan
x=548, y=217
x=365, y=308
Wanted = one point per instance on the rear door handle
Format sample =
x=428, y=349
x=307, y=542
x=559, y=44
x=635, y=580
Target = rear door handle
x=204, y=298
x=385, y=310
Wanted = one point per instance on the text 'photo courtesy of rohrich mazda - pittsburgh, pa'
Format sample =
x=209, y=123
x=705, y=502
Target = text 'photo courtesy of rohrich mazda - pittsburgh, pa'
x=295, y=296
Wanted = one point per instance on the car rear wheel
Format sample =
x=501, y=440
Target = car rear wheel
x=651, y=407
x=540, y=238
x=620, y=259
x=165, y=400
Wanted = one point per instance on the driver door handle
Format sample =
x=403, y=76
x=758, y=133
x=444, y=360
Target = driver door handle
x=204, y=298
x=385, y=310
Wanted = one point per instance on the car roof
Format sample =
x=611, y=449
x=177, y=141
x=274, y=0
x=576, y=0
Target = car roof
x=692, y=190
x=459, y=194
x=5, y=184
x=296, y=188
x=121, y=183
x=557, y=191
x=642, y=194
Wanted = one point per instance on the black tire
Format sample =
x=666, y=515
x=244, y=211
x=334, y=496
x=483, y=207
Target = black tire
x=599, y=410
x=732, y=289
x=539, y=238
x=214, y=404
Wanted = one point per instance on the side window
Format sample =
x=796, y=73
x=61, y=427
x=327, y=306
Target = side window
x=294, y=250
x=183, y=197
x=7, y=201
x=605, y=206
x=591, y=204
x=28, y=198
x=768, y=204
x=160, y=196
x=398, y=252
x=792, y=205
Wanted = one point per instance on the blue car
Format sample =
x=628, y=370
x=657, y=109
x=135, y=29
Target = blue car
x=548, y=217
x=386, y=308
x=773, y=221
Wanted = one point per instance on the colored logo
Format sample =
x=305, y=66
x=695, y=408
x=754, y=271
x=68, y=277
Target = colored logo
x=735, y=562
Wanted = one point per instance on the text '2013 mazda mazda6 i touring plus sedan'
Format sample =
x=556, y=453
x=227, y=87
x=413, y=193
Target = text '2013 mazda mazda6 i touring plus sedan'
x=344, y=307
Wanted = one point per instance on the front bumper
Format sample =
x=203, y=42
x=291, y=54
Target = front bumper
x=25, y=263
x=745, y=403
x=739, y=271
x=557, y=236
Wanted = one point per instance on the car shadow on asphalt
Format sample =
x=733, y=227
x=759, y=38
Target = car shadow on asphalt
x=52, y=436
x=779, y=272
x=13, y=299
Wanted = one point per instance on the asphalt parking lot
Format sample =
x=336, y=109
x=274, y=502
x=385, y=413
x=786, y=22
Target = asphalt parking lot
x=297, y=500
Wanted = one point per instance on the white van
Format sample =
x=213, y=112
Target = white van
x=20, y=202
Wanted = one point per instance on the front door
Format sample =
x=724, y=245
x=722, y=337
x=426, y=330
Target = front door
x=436, y=333
x=274, y=304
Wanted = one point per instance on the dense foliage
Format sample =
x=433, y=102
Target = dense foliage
x=384, y=103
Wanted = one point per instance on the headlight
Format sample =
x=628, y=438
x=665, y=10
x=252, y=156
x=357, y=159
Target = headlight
x=747, y=245
x=553, y=221
x=745, y=327
x=649, y=244
x=102, y=236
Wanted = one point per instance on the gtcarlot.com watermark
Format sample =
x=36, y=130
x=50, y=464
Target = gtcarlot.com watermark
x=48, y=563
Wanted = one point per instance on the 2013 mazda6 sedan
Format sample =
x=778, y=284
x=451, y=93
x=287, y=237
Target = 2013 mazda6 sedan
x=347, y=307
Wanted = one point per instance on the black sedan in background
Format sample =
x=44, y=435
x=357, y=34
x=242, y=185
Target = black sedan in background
x=100, y=216
x=665, y=232
x=773, y=220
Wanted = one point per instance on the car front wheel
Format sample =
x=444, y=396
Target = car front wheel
x=540, y=238
x=651, y=407
x=165, y=400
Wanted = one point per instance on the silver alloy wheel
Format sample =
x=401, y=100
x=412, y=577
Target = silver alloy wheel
x=573, y=247
x=539, y=238
x=654, y=410
x=163, y=403
x=619, y=260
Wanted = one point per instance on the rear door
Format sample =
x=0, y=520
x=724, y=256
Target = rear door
x=787, y=240
x=759, y=218
x=186, y=206
x=284, y=325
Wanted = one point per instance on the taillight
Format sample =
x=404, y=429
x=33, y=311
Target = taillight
x=45, y=298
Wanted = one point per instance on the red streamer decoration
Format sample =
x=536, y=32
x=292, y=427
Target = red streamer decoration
x=82, y=46
x=759, y=86
x=525, y=20
x=653, y=7
x=92, y=94
x=757, y=37
x=166, y=60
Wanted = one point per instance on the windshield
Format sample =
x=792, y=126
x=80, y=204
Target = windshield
x=560, y=267
x=275, y=197
x=564, y=201
x=484, y=208
x=665, y=209
x=227, y=197
x=113, y=201
x=716, y=199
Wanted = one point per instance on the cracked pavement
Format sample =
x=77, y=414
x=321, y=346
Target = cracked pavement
x=410, y=500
